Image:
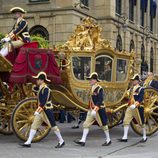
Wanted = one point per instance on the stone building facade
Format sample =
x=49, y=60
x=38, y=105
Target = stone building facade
x=128, y=24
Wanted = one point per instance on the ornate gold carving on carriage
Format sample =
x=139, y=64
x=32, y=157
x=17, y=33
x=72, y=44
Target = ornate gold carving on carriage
x=9, y=100
x=87, y=37
x=83, y=53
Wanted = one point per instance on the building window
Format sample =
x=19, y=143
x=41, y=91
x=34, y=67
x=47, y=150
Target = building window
x=151, y=59
x=118, y=7
x=151, y=23
x=119, y=43
x=144, y=64
x=132, y=47
x=142, y=17
x=39, y=31
x=142, y=53
x=131, y=10
x=38, y=0
x=143, y=9
x=153, y=8
x=85, y=2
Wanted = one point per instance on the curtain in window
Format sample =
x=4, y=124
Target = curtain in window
x=153, y=8
x=144, y=5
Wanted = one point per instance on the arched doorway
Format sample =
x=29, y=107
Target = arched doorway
x=39, y=30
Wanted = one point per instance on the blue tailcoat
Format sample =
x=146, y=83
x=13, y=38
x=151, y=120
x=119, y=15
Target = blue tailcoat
x=20, y=30
x=44, y=99
x=97, y=97
x=139, y=97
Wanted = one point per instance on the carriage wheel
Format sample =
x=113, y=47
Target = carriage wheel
x=5, y=119
x=22, y=119
x=115, y=118
x=150, y=112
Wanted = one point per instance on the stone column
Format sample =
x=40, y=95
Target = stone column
x=156, y=60
x=137, y=15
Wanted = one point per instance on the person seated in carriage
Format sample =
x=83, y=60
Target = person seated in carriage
x=19, y=34
x=150, y=81
x=106, y=74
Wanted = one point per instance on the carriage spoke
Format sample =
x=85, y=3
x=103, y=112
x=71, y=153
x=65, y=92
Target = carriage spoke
x=153, y=120
x=153, y=113
x=40, y=131
x=24, y=126
x=22, y=121
x=154, y=108
x=27, y=132
x=149, y=124
x=23, y=116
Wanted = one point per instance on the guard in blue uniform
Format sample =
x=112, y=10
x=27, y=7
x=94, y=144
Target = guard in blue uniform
x=135, y=109
x=44, y=112
x=19, y=34
x=96, y=111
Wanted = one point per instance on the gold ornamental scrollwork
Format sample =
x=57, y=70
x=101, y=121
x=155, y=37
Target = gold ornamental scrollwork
x=87, y=37
x=5, y=65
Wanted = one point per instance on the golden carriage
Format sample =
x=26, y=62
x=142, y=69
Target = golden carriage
x=83, y=53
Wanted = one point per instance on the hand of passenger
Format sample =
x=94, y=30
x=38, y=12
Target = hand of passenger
x=133, y=106
x=93, y=113
x=36, y=113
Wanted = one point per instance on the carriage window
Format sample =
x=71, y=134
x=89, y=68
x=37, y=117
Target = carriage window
x=104, y=68
x=121, y=70
x=81, y=67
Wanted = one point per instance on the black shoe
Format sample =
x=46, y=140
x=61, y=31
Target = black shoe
x=25, y=145
x=75, y=127
x=79, y=143
x=123, y=140
x=143, y=140
x=106, y=144
x=60, y=145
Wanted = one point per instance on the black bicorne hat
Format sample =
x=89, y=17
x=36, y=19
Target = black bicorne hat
x=93, y=76
x=17, y=9
x=42, y=76
x=136, y=77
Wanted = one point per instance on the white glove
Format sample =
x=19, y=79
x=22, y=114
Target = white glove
x=93, y=113
x=36, y=113
x=3, y=40
x=6, y=39
x=133, y=106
